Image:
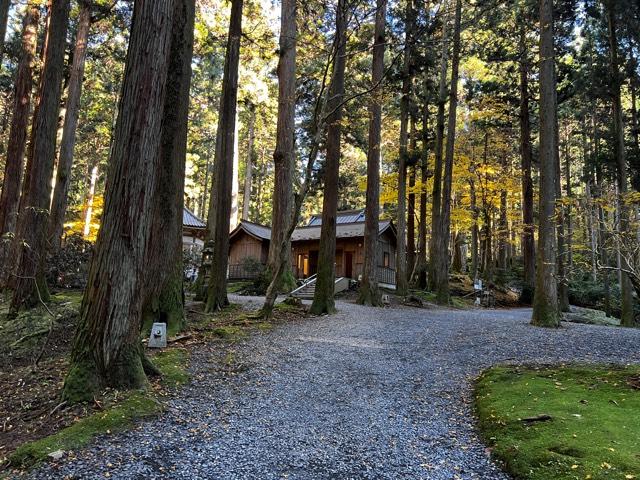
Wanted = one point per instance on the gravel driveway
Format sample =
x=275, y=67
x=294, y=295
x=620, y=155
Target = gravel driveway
x=367, y=393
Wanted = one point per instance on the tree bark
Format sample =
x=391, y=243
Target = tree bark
x=4, y=18
x=526, y=155
x=405, y=105
x=165, y=270
x=283, y=156
x=235, y=178
x=323, y=301
x=223, y=174
x=17, y=136
x=436, y=203
x=627, y=316
x=106, y=349
x=36, y=196
x=411, y=207
x=441, y=254
x=545, y=303
x=248, y=168
x=369, y=294
x=65, y=159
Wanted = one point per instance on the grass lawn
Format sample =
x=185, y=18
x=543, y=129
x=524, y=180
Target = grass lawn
x=593, y=432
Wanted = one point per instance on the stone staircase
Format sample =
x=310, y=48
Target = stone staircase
x=308, y=288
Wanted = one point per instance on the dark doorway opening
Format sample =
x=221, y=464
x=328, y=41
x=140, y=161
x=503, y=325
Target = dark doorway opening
x=348, y=264
x=313, y=262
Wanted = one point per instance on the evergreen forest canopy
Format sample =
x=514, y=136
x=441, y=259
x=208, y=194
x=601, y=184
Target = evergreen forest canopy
x=501, y=137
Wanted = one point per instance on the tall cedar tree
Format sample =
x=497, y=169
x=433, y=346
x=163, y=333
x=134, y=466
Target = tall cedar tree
x=323, y=301
x=283, y=156
x=369, y=294
x=405, y=106
x=4, y=19
x=248, y=167
x=166, y=297
x=619, y=149
x=65, y=159
x=419, y=275
x=545, y=302
x=223, y=166
x=526, y=156
x=30, y=286
x=107, y=349
x=18, y=134
x=436, y=204
x=441, y=267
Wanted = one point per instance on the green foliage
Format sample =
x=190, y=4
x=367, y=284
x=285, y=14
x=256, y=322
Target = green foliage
x=593, y=430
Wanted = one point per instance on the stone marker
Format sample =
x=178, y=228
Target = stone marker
x=158, y=337
x=57, y=455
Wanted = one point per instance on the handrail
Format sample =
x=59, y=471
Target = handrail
x=306, y=283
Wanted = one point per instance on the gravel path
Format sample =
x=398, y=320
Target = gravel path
x=367, y=393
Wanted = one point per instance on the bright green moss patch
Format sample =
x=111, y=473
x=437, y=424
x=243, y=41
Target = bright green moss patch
x=173, y=365
x=137, y=405
x=594, y=430
x=130, y=406
x=228, y=332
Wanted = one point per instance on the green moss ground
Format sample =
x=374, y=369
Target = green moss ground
x=135, y=405
x=235, y=287
x=594, y=432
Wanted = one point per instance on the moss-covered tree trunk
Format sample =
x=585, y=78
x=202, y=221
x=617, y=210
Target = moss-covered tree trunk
x=545, y=302
x=369, y=294
x=166, y=273
x=106, y=349
x=17, y=142
x=33, y=223
x=323, y=301
x=67, y=143
x=224, y=160
x=283, y=156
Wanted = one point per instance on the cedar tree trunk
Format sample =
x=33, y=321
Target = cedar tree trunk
x=545, y=302
x=65, y=159
x=30, y=286
x=223, y=173
x=369, y=294
x=323, y=301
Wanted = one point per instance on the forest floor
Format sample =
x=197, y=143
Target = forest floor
x=34, y=351
x=365, y=393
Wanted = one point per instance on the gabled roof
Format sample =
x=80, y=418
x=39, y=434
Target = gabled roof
x=343, y=230
x=261, y=232
x=190, y=220
x=346, y=216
